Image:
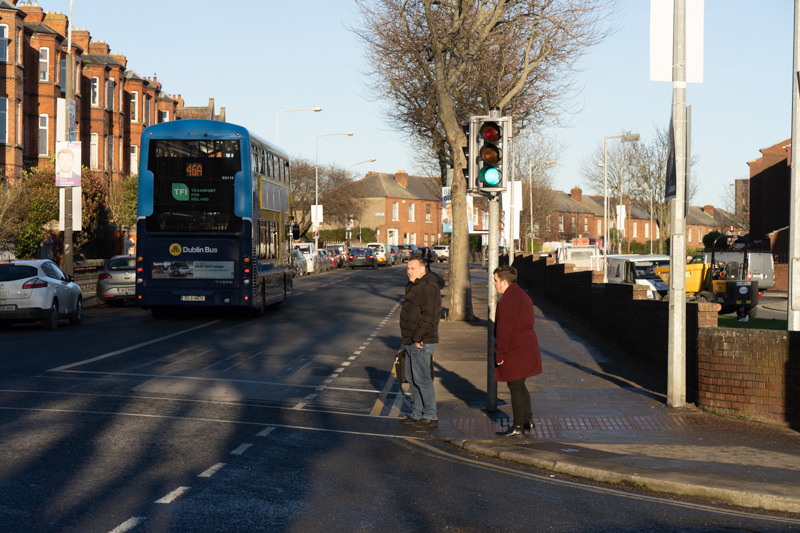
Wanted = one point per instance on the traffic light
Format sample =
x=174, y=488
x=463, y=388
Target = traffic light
x=490, y=162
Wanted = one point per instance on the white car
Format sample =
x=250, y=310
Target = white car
x=309, y=251
x=38, y=290
x=442, y=251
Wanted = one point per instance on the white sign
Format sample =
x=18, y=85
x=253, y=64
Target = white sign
x=76, y=208
x=661, y=38
x=316, y=214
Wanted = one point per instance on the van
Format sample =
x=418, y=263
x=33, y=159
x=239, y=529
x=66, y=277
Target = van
x=309, y=251
x=639, y=270
x=382, y=252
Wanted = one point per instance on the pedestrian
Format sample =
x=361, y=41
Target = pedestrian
x=419, y=329
x=516, y=347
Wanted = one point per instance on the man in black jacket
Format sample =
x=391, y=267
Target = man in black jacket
x=419, y=327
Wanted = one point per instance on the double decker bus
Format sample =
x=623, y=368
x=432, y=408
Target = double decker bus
x=213, y=226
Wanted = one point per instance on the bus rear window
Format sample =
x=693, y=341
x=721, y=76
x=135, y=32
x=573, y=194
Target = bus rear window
x=193, y=185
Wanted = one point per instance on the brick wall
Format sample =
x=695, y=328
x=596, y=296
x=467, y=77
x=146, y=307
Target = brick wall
x=748, y=373
x=753, y=373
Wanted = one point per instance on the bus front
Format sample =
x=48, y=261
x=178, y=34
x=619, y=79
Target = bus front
x=194, y=229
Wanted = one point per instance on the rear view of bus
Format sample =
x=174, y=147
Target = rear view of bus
x=201, y=222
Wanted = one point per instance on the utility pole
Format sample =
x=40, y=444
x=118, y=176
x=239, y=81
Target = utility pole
x=676, y=345
x=793, y=317
x=68, y=89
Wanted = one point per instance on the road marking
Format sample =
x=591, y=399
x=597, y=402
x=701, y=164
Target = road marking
x=131, y=348
x=128, y=525
x=241, y=449
x=265, y=432
x=213, y=470
x=172, y=496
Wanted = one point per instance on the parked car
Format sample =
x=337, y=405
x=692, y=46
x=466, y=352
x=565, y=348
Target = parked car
x=361, y=257
x=340, y=252
x=309, y=251
x=116, y=284
x=38, y=290
x=395, y=254
x=406, y=251
x=299, y=268
x=382, y=253
x=325, y=263
x=442, y=252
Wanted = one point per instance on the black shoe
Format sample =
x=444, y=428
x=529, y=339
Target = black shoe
x=427, y=423
x=529, y=425
x=410, y=421
x=512, y=431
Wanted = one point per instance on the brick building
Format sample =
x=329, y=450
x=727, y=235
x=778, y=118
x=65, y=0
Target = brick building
x=770, y=186
x=113, y=103
x=403, y=209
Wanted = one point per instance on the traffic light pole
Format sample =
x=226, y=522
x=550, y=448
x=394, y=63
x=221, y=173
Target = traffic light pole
x=493, y=263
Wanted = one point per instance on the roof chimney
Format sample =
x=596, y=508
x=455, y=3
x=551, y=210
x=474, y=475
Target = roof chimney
x=401, y=178
x=576, y=194
x=709, y=209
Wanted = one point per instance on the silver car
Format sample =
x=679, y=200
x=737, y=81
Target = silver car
x=38, y=290
x=117, y=282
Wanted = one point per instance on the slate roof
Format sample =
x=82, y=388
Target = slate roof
x=381, y=185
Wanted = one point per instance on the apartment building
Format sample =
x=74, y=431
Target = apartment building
x=113, y=103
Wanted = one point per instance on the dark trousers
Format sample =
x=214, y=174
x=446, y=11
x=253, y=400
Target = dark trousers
x=520, y=402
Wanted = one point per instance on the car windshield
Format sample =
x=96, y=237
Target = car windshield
x=647, y=269
x=11, y=272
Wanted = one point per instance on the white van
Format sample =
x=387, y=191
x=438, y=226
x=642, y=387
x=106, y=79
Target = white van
x=382, y=252
x=639, y=270
x=309, y=251
x=760, y=266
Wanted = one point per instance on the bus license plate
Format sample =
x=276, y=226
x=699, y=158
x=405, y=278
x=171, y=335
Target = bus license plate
x=192, y=298
x=8, y=307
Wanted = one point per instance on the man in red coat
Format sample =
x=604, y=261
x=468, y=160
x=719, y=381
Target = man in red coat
x=516, y=348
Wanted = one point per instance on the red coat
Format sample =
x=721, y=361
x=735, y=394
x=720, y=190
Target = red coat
x=515, y=341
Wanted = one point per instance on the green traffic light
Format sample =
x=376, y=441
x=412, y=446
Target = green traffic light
x=490, y=176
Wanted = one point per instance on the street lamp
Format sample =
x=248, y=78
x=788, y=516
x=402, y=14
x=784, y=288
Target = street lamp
x=625, y=138
x=361, y=162
x=530, y=198
x=314, y=109
x=316, y=178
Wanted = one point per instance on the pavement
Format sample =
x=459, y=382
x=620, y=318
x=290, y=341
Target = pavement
x=600, y=416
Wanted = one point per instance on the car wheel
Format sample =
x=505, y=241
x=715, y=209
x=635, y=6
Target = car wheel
x=77, y=316
x=51, y=321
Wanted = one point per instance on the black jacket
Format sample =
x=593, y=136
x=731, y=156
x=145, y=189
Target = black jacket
x=422, y=307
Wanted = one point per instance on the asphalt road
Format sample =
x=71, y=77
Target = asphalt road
x=226, y=423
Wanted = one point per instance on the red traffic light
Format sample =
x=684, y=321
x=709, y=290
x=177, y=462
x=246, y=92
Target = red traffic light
x=491, y=131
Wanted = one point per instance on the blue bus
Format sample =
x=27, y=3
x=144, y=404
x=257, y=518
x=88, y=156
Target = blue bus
x=214, y=222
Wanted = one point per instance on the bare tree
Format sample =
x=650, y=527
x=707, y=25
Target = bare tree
x=439, y=61
x=335, y=193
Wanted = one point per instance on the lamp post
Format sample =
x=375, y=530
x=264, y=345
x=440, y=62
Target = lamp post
x=314, y=109
x=316, y=180
x=625, y=138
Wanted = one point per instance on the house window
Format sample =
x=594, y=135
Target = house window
x=95, y=97
x=62, y=71
x=395, y=211
x=411, y=212
x=586, y=225
x=147, y=111
x=110, y=99
x=646, y=230
x=93, y=150
x=599, y=227
x=134, y=160
x=44, y=64
x=18, y=45
x=3, y=43
x=572, y=220
x=688, y=235
x=43, y=130
x=3, y=120
x=110, y=152
x=561, y=223
x=134, y=106
x=164, y=116
x=635, y=229
x=427, y=212
x=425, y=239
x=547, y=223
x=18, y=122
x=413, y=239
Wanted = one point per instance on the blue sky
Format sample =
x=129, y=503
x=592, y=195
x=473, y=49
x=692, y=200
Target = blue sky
x=256, y=57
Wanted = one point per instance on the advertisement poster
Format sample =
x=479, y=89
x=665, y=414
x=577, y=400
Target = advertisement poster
x=68, y=164
x=447, y=212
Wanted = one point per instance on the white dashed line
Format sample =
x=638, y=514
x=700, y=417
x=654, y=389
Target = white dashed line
x=213, y=470
x=241, y=449
x=265, y=432
x=174, y=495
x=128, y=525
